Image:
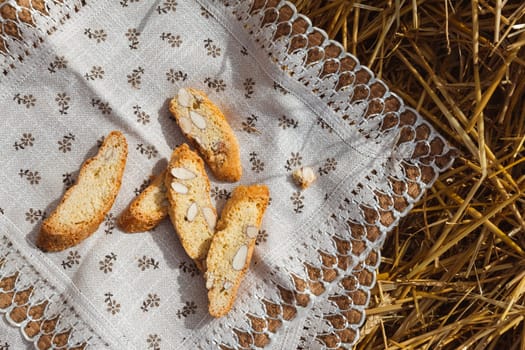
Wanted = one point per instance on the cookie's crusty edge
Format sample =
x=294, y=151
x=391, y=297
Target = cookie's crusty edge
x=259, y=194
x=178, y=153
x=53, y=239
x=133, y=220
x=223, y=311
x=231, y=169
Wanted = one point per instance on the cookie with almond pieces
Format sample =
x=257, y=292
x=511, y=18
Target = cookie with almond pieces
x=232, y=246
x=191, y=211
x=203, y=123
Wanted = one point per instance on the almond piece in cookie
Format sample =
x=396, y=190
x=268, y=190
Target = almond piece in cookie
x=191, y=210
x=148, y=209
x=206, y=127
x=232, y=245
x=84, y=205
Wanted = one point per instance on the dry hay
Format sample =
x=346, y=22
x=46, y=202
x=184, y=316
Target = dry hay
x=452, y=274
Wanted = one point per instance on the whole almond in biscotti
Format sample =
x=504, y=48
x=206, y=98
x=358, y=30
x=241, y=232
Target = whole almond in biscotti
x=84, y=205
x=204, y=124
x=148, y=209
x=191, y=210
x=232, y=245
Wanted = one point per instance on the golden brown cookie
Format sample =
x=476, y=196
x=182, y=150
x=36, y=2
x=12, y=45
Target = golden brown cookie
x=148, y=209
x=84, y=205
x=206, y=127
x=191, y=211
x=232, y=245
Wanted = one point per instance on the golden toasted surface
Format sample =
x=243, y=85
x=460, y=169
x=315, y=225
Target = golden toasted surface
x=206, y=127
x=232, y=246
x=148, y=209
x=191, y=210
x=85, y=204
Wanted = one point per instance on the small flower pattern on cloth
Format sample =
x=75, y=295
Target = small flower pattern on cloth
x=122, y=76
x=27, y=140
x=136, y=75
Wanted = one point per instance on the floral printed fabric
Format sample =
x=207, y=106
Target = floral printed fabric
x=115, y=65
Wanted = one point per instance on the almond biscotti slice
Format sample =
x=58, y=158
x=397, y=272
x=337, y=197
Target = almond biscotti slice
x=84, y=205
x=191, y=210
x=232, y=245
x=204, y=124
x=148, y=209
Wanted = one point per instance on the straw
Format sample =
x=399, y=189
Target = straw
x=453, y=272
